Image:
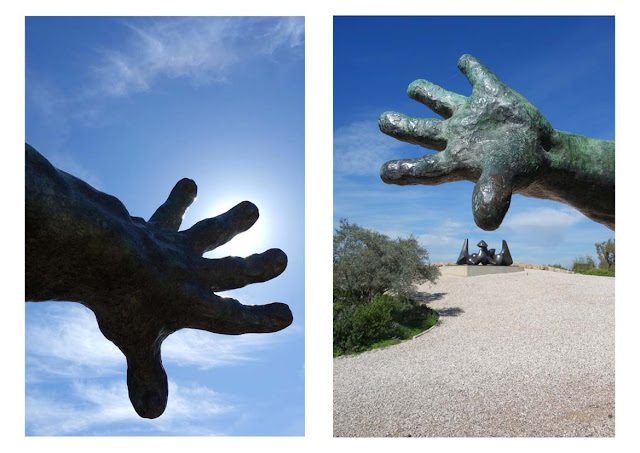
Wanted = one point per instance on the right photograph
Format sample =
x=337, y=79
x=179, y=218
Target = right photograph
x=474, y=218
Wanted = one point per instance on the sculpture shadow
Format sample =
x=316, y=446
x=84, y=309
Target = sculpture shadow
x=451, y=311
x=425, y=298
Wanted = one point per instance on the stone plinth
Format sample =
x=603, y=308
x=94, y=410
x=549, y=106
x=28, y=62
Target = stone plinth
x=473, y=271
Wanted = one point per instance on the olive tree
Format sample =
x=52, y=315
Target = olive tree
x=606, y=253
x=367, y=263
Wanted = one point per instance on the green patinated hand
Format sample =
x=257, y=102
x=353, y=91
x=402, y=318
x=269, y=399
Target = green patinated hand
x=499, y=140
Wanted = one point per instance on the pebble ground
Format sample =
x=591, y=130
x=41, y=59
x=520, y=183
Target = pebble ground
x=528, y=354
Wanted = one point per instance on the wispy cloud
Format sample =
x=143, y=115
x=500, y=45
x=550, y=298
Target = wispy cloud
x=66, y=351
x=446, y=237
x=359, y=148
x=199, y=49
x=45, y=98
x=205, y=350
x=105, y=409
x=63, y=342
x=545, y=226
x=64, y=160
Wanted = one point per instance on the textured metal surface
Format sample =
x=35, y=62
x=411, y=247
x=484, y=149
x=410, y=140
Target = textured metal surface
x=485, y=256
x=143, y=280
x=499, y=140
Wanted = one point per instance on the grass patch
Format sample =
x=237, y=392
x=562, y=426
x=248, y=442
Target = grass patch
x=359, y=327
x=596, y=271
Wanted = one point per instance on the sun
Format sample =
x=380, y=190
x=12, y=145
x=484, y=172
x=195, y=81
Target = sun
x=254, y=240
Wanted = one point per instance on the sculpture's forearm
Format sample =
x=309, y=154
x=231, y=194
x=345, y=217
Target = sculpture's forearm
x=581, y=173
x=66, y=220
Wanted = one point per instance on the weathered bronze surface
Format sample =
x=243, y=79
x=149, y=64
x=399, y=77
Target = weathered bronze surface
x=485, y=256
x=499, y=140
x=143, y=280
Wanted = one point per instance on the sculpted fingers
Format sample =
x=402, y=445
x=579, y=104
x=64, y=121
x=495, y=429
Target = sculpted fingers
x=491, y=199
x=444, y=103
x=228, y=316
x=208, y=234
x=478, y=74
x=147, y=383
x=425, y=132
x=431, y=169
x=169, y=215
x=234, y=272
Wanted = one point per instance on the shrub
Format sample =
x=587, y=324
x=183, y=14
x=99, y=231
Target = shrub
x=582, y=264
x=597, y=271
x=367, y=263
x=358, y=327
x=344, y=336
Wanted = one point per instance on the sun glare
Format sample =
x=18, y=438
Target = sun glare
x=244, y=244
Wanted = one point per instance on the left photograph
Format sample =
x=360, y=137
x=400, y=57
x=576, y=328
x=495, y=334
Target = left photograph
x=164, y=226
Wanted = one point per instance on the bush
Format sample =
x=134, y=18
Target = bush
x=583, y=264
x=358, y=327
x=344, y=336
x=367, y=263
x=597, y=271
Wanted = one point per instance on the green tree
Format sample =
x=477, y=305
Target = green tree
x=367, y=263
x=607, y=253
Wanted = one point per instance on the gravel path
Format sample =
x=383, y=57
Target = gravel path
x=523, y=354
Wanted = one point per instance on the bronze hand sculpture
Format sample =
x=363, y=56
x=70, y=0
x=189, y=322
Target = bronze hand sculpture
x=499, y=140
x=143, y=280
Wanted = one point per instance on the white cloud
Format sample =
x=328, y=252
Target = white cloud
x=63, y=342
x=544, y=226
x=554, y=218
x=360, y=148
x=206, y=350
x=447, y=239
x=68, y=360
x=105, y=406
x=286, y=32
x=200, y=50
x=197, y=48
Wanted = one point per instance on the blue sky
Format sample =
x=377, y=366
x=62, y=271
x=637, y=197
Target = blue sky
x=563, y=65
x=132, y=105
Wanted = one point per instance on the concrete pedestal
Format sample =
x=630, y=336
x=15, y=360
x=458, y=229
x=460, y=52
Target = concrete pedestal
x=473, y=271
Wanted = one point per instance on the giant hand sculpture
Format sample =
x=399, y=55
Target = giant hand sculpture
x=500, y=141
x=143, y=280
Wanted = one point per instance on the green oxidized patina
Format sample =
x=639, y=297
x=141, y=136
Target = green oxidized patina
x=499, y=140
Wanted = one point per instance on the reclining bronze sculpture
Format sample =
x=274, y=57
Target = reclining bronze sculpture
x=485, y=256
